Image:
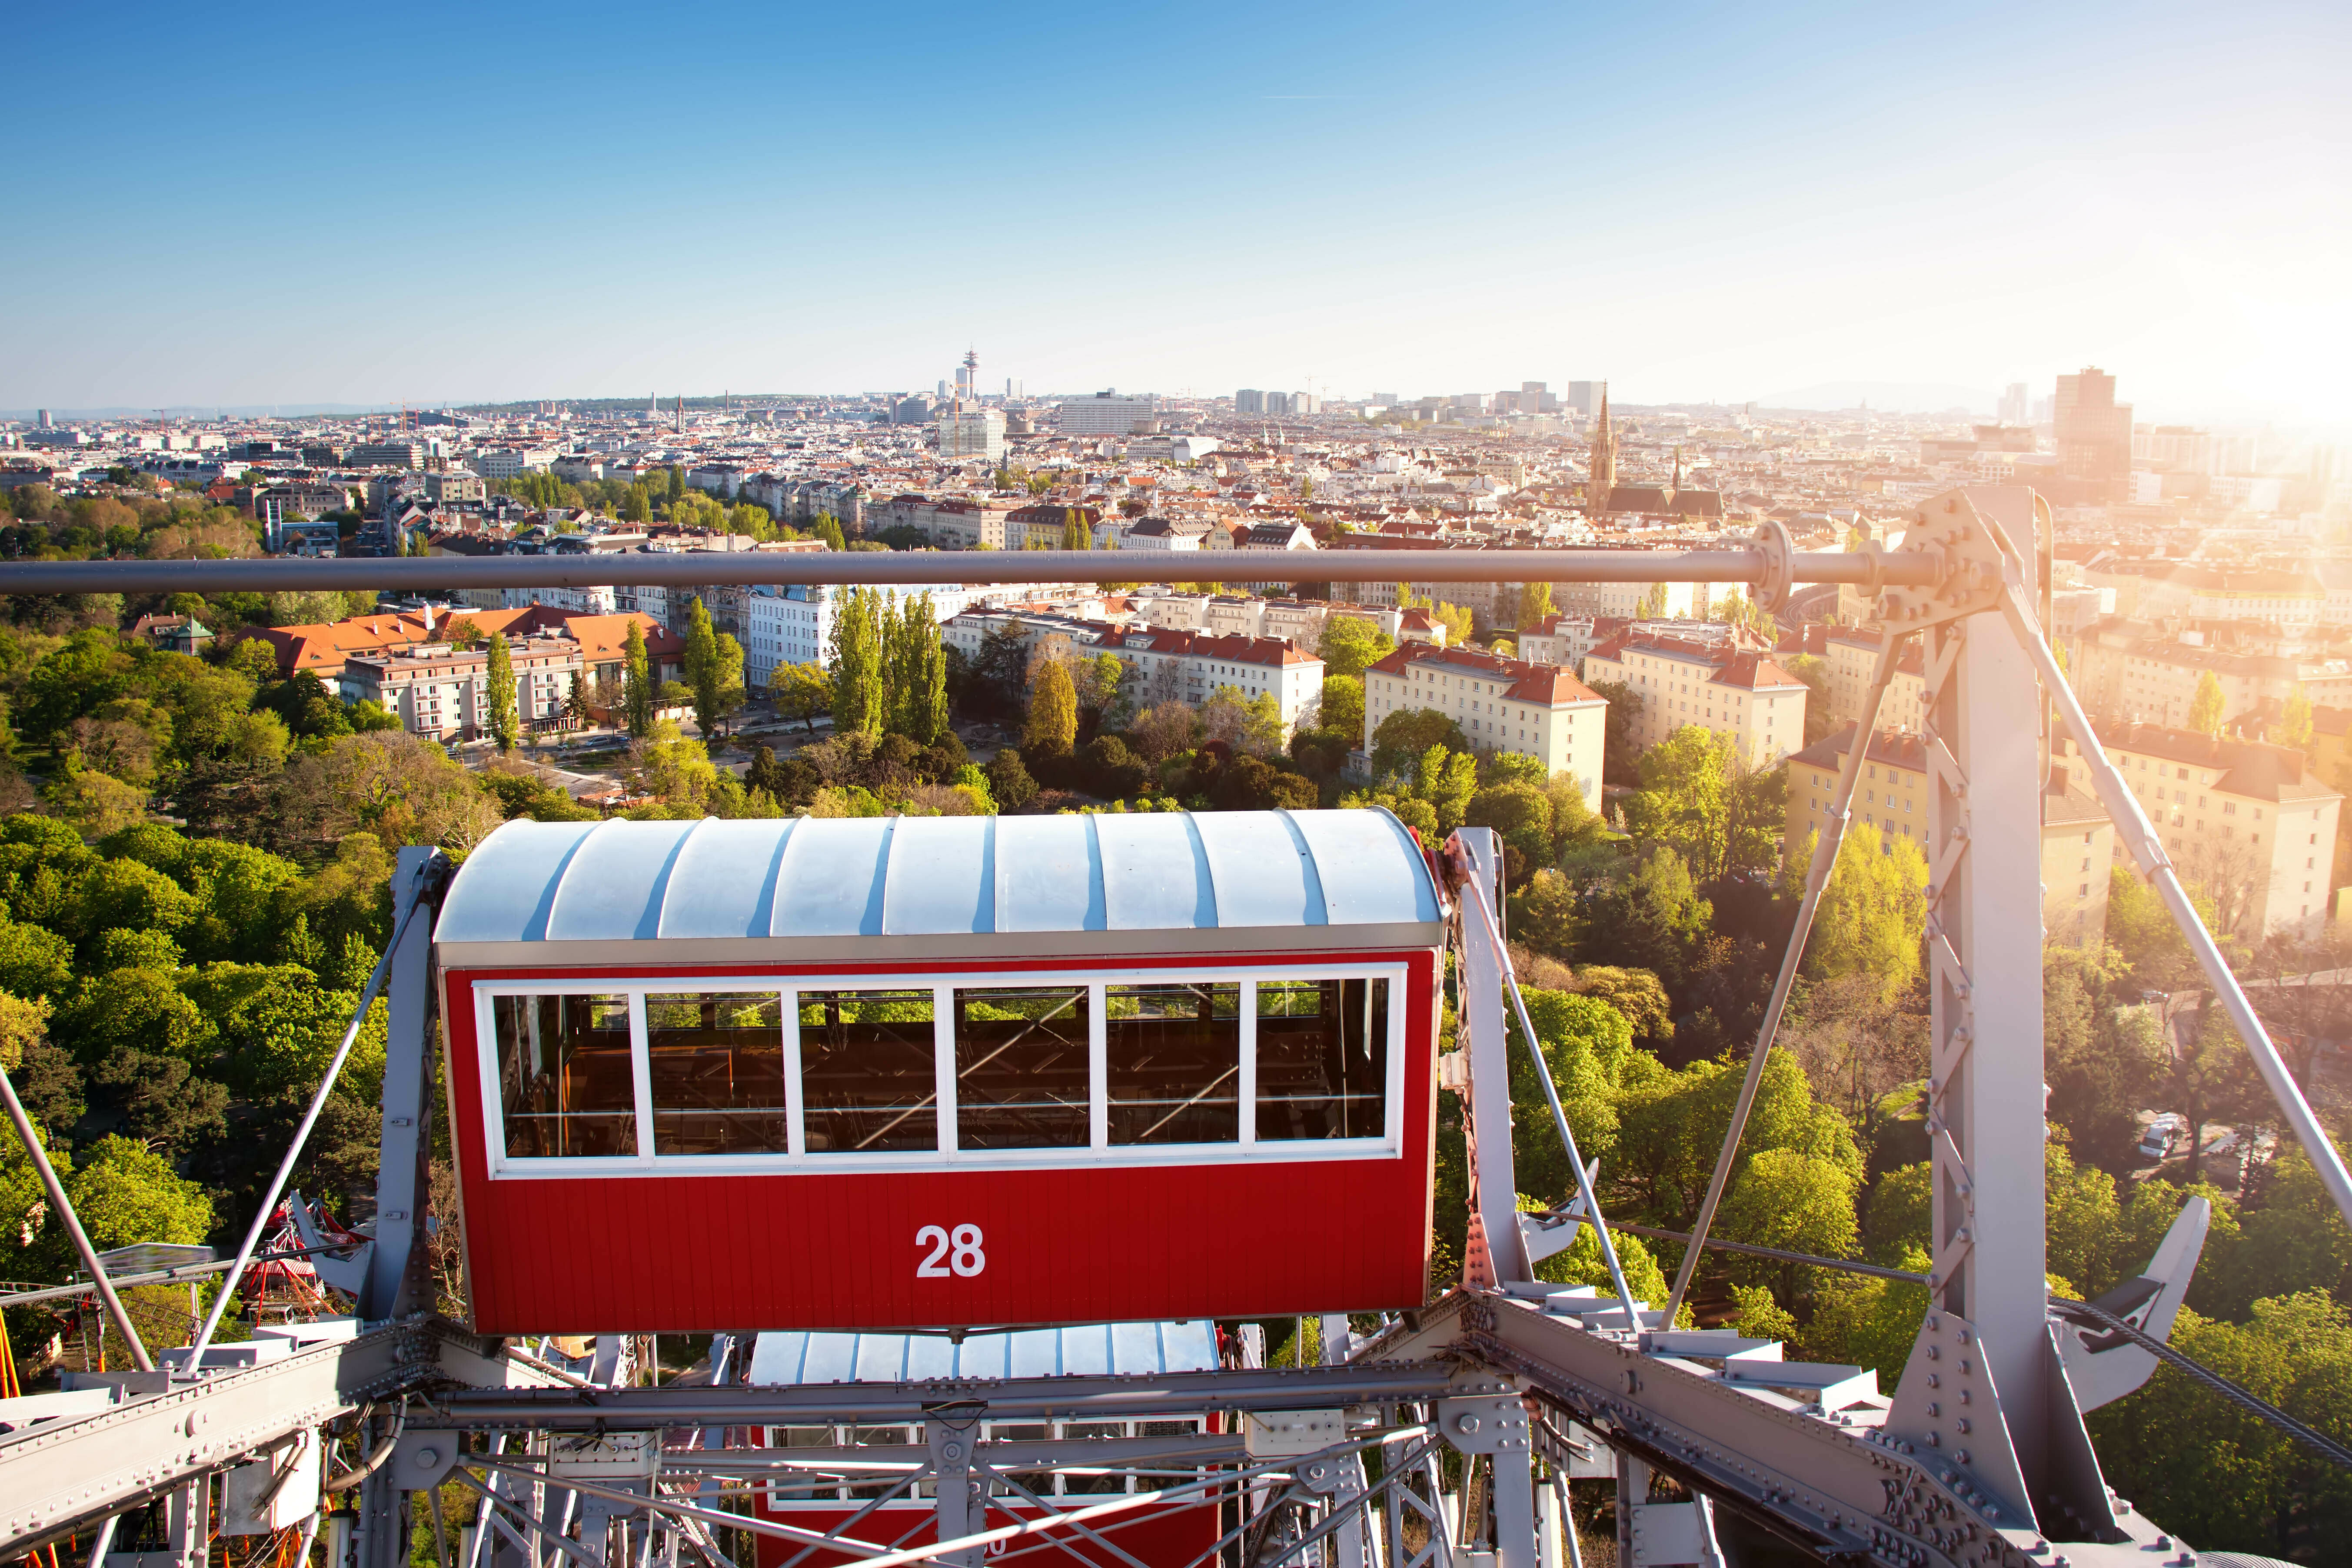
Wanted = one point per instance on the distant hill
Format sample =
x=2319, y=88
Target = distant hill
x=1901, y=396
x=207, y=410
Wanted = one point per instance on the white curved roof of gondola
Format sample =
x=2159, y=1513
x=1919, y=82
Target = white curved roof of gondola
x=888, y=887
x=793, y=1358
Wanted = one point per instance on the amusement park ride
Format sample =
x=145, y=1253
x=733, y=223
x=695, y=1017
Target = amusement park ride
x=959, y=1137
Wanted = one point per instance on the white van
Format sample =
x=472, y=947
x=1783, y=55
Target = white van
x=2162, y=1135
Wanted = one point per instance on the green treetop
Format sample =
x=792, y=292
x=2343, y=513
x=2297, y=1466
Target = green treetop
x=505, y=723
x=2206, y=709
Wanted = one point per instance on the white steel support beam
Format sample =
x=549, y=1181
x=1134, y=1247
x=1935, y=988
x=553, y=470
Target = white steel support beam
x=1480, y=977
x=396, y=1280
x=1984, y=945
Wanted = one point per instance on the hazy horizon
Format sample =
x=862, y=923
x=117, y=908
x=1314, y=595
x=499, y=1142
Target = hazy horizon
x=1707, y=206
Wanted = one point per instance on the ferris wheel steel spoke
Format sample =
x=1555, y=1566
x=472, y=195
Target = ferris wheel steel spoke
x=99, y=1280
x=1817, y=882
x=2131, y=820
x=1477, y=890
x=268, y=1204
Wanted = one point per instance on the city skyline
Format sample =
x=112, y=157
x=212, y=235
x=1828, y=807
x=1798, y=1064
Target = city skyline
x=1725, y=207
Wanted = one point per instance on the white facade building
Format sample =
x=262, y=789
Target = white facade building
x=971, y=433
x=1106, y=414
x=793, y=624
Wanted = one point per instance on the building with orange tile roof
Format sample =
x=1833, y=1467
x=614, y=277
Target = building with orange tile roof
x=1717, y=685
x=1538, y=711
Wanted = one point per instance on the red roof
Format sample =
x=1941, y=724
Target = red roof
x=1551, y=685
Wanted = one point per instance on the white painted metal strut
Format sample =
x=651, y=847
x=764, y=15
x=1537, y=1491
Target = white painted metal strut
x=2148, y=850
x=1831, y=839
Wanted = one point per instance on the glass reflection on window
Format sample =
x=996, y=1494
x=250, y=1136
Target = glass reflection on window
x=868, y=1084
x=717, y=1064
x=1020, y=1067
x=1322, y=1059
x=1173, y=1054
x=566, y=1084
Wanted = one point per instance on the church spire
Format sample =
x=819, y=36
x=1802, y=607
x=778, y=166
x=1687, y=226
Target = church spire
x=1602, y=470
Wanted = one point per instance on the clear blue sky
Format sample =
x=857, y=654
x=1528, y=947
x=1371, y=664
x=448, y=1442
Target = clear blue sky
x=428, y=203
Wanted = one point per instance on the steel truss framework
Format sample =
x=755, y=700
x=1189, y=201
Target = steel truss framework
x=1449, y=1437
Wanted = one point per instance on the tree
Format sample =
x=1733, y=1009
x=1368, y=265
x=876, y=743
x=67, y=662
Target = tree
x=860, y=702
x=1402, y=737
x=1872, y=912
x=2207, y=707
x=673, y=766
x=1544, y=915
x=1653, y=602
x=1652, y=919
x=462, y=631
x=91, y=801
x=1075, y=535
x=1447, y=780
x=1349, y=644
x=1342, y=707
x=2219, y=1475
x=828, y=528
x=125, y=1192
x=1252, y=724
x=917, y=670
x=1052, y=726
x=575, y=703
x=1164, y=730
x=801, y=691
x=1814, y=671
x=2210, y=1077
x=2103, y=1062
x=637, y=688
x=1009, y=780
x=504, y=723
x=714, y=671
x=1520, y=815
x=1535, y=605
x=1685, y=799
x=1619, y=763
x=2293, y=728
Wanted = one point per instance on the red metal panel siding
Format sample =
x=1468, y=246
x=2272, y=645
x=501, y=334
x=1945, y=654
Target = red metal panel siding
x=1161, y=1535
x=836, y=1250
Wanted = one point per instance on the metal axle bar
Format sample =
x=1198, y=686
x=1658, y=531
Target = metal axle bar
x=882, y=1404
x=920, y=567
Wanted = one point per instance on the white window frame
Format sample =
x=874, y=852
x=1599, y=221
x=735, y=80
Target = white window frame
x=1099, y=1151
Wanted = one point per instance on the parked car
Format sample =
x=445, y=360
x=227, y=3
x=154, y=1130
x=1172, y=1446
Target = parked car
x=2161, y=1136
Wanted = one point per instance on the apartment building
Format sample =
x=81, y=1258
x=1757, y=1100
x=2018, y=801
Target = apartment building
x=1850, y=654
x=1106, y=414
x=2250, y=825
x=1191, y=667
x=793, y=624
x=954, y=524
x=1538, y=711
x=1731, y=690
x=2292, y=601
x=326, y=649
x=508, y=462
x=2132, y=670
x=1892, y=796
x=1173, y=534
x=442, y=693
x=1626, y=601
